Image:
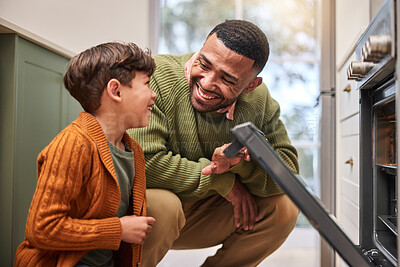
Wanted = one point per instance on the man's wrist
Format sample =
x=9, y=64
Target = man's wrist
x=223, y=183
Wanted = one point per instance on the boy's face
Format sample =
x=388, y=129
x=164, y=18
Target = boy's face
x=138, y=101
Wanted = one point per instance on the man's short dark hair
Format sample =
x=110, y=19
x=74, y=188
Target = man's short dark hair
x=244, y=38
x=89, y=72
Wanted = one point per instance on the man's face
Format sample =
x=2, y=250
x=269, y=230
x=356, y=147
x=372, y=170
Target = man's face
x=218, y=76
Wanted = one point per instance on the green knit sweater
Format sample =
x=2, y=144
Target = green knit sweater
x=179, y=142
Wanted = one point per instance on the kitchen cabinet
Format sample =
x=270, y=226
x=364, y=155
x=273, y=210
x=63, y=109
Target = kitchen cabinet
x=35, y=107
x=349, y=27
x=347, y=163
x=347, y=155
x=348, y=95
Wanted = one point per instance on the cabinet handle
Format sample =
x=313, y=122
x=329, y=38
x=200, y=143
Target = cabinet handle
x=347, y=88
x=350, y=162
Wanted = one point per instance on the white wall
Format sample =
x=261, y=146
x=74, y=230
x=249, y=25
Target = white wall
x=351, y=19
x=76, y=25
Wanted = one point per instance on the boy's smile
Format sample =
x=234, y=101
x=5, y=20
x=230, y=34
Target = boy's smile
x=138, y=101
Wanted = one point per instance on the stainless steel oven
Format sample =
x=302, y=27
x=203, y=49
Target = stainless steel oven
x=374, y=70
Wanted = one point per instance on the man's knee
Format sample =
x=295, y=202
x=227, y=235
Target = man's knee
x=287, y=212
x=280, y=211
x=292, y=211
x=166, y=208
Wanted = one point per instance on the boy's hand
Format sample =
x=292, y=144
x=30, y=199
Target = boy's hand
x=220, y=163
x=135, y=228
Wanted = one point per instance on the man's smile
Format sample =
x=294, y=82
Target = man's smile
x=204, y=94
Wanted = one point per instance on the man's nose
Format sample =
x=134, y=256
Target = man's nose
x=209, y=82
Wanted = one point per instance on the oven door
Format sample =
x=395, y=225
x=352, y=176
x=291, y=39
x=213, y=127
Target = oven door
x=378, y=181
x=247, y=135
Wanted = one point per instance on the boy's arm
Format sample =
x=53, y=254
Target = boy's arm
x=61, y=168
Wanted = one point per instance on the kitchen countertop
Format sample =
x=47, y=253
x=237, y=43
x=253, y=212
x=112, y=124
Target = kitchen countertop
x=9, y=27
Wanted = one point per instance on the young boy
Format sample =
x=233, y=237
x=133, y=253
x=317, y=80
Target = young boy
x=89, y=205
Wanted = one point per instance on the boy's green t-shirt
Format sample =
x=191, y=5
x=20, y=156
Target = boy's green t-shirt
x=125, y=170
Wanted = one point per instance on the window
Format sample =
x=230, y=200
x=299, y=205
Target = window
x=291, y=74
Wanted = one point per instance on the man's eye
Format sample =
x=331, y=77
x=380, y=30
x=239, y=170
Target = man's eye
x=227, y=81
x=202, y=65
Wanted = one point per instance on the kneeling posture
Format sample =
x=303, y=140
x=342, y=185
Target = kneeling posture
x=198, y=197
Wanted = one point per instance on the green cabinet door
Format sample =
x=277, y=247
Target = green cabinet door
x=41, y=108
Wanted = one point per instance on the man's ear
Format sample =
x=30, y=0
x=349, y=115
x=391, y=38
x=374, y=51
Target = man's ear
x=114, y=90
x=253, y=85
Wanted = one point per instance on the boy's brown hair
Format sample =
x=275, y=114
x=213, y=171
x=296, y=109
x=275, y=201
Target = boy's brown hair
x=89, y=72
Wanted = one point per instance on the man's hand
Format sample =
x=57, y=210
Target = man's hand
x=135, y=228
x=244, y=205
x=220, y=163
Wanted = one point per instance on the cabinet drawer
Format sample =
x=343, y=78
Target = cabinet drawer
x=348, y=95
x=349, y=158
x=350, y=126
x=347, y=223
x=350, y=192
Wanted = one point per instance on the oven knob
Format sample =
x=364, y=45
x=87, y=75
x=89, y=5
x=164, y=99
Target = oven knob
x=367, y=57
x=351, y=76
x=377, y=47
x=357, y=70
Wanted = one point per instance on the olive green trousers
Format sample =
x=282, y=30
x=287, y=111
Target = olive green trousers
x=210, y=222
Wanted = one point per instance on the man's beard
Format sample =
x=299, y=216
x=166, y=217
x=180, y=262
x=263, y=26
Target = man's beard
x=201, y=107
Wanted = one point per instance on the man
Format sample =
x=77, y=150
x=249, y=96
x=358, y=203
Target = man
x=197, y=202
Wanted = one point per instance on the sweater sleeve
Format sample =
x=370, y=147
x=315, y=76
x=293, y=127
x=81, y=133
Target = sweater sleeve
x=62, y=166
x=166, y=166
x=172, y=171
x=250, y=173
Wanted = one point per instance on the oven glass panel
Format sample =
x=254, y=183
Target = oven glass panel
x=385, y=177
x=385, y=148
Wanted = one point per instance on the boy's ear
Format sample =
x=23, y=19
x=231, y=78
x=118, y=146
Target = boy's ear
x=253, y=85
x=114, y=90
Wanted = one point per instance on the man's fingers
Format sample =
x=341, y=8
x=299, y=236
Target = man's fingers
x=244, y=152
x=208, y=170
x=245, y=216
x=237, y=214
x=247, y=155
x=253, y=213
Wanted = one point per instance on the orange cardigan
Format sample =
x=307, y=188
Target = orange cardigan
x=76, y=199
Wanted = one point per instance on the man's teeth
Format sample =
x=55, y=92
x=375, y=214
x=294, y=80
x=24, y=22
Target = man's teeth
x=205, y=96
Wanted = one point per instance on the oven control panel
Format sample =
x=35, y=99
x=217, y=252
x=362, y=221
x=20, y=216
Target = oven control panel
x=375, y=56
x=376, y=48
